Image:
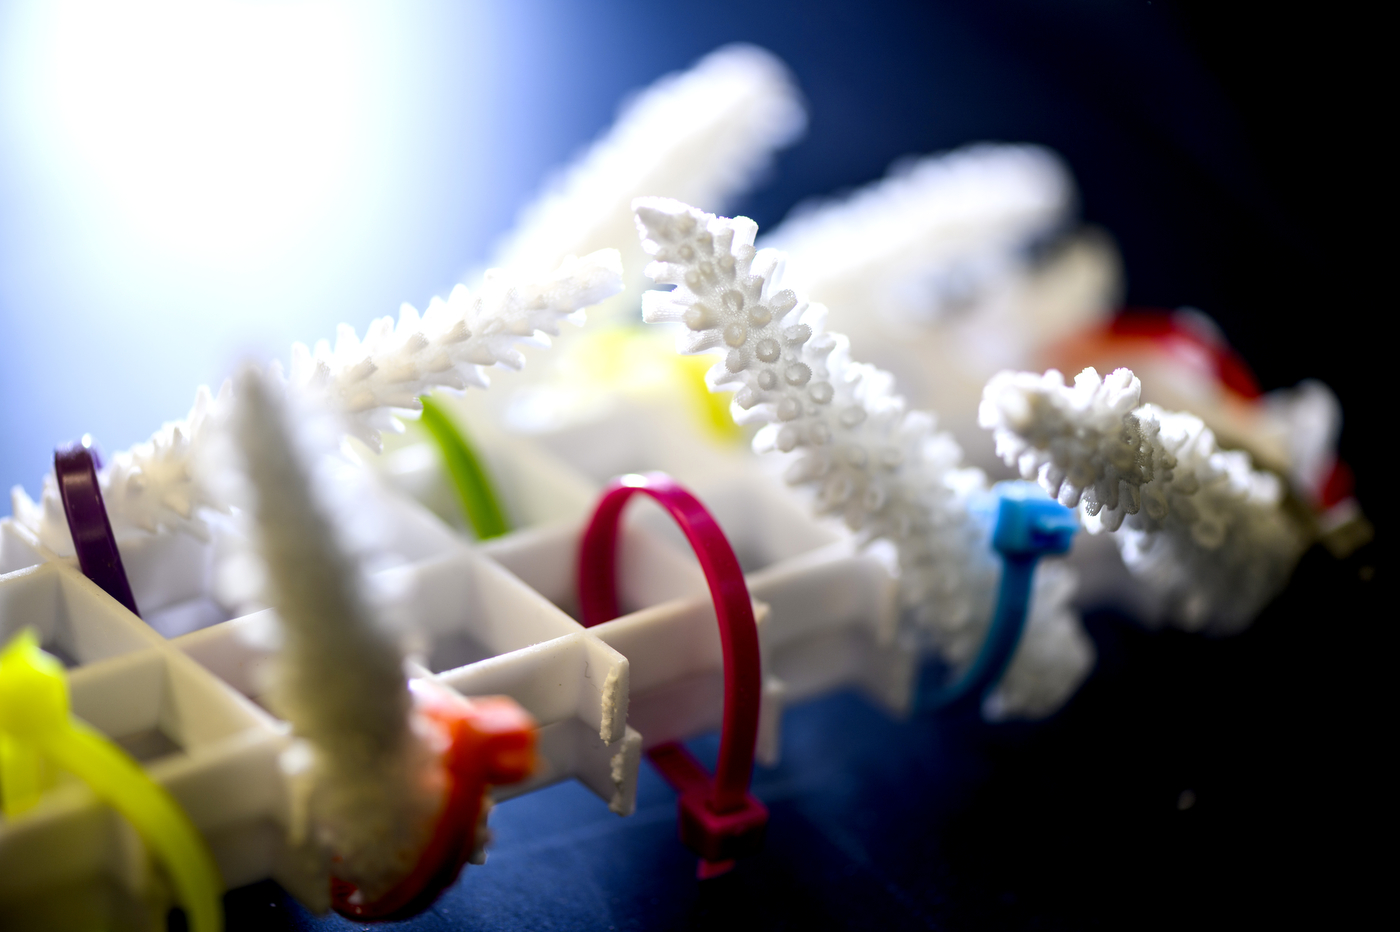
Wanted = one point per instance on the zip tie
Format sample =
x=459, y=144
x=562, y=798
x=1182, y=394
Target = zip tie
x=36, y=724
x=469, y=478
x=719, y=819
x=1029, y=525
x=487, y=741
x=75, y=467
x=711, y=408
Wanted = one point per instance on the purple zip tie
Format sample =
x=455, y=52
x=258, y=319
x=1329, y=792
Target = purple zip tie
x=75, y=465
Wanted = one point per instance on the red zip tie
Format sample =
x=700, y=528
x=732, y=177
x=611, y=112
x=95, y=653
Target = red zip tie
x=719, y=818
x=1164, y=327
x=75, y=467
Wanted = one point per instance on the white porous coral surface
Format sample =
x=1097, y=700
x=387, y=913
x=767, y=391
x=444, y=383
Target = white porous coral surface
x=886, y=470
x=1203, y=529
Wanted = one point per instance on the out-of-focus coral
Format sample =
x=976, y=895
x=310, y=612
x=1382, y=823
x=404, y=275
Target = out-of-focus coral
x=701, y=135
x=952, y=268
x=371, y=784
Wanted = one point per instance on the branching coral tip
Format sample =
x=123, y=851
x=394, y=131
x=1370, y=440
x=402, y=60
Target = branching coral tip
x=1200, y=526
x=154, y=487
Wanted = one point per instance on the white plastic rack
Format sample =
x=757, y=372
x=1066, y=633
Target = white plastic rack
x=183, y=690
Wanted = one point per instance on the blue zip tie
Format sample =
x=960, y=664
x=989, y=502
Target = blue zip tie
x=1029, y=525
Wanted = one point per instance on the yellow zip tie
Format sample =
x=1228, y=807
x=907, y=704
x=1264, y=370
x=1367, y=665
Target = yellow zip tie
x=710, y=409
x=36, y=725
x=640, y=361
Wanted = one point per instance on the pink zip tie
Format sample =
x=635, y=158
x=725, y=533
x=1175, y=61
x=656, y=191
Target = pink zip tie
x=719, y=819
x=75, y=468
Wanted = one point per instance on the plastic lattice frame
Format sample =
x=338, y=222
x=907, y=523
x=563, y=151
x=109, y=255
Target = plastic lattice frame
x=184, y=690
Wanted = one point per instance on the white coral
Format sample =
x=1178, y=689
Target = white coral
x=451, y=343
x=152, y=487
x=151, y=481
x=375, y=786
x=931, y=236
x=701, y=135
x=1199, y=525
x=148, y=488
x=1083, y=443
x=884, y=469
x=932, y=273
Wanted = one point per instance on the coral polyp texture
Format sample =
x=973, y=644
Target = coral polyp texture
x=885, y=470
x=1203, y=529
x=450, y=344
x=951, y=268
x=152, y=487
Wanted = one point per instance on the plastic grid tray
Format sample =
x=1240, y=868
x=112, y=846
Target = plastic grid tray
x=184, y=690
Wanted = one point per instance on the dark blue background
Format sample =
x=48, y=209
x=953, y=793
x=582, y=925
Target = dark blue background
x=947, y=823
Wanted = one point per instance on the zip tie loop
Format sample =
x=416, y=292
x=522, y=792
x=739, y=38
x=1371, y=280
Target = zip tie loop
x=719, y=818
x=75, y=467
x=1029, y=525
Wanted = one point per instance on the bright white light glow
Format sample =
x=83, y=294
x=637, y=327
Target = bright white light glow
x=219, y=129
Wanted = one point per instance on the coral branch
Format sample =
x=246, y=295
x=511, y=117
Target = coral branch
x=373, y=781
x=701, y=135
x=451, y=343
x=152, y=488
x=1199, y=525
x=931, y=237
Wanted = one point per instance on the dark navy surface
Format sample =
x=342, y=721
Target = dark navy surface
x=943, y=822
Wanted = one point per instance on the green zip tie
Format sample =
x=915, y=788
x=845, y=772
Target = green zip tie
x=474, y=491
x=37, y=726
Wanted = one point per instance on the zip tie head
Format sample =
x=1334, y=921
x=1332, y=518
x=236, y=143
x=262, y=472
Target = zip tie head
x=1030, y=523
x=486, y=741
